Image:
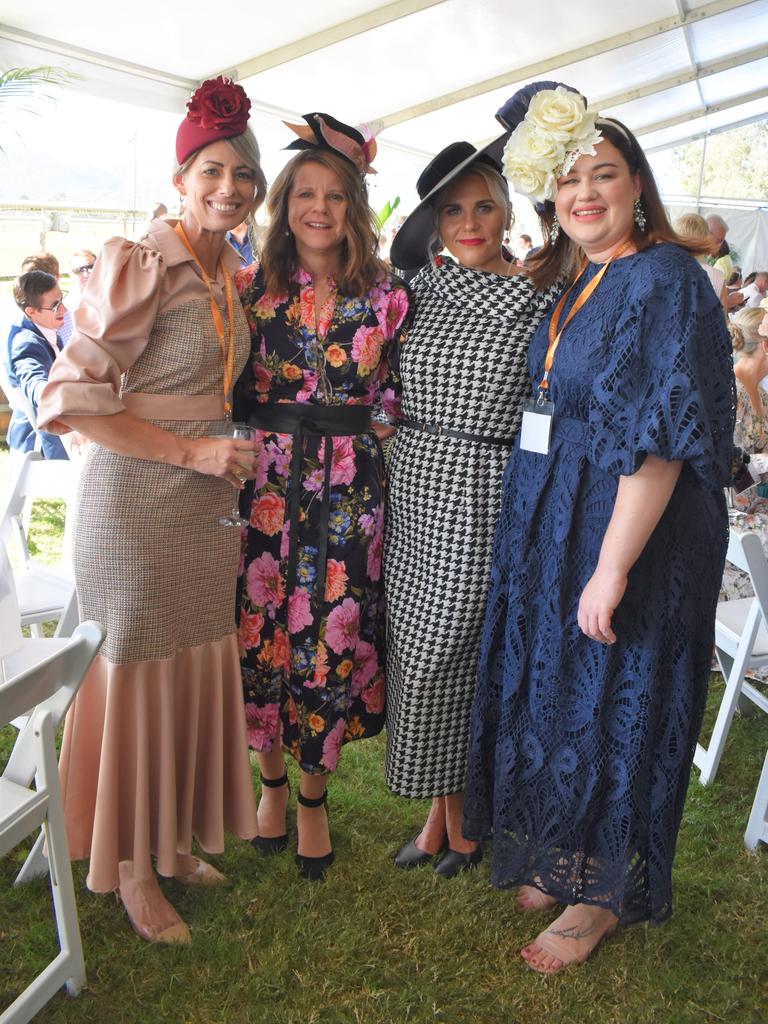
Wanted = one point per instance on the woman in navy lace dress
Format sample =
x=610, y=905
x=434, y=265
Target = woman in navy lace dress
x=609, y=551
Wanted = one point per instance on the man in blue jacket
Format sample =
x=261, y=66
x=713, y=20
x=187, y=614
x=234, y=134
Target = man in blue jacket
x=32, y=347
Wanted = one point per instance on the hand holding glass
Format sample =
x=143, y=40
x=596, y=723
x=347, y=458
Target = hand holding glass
x=229, y=431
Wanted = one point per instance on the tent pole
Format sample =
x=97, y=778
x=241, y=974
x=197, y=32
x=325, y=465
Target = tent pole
x=701, y=173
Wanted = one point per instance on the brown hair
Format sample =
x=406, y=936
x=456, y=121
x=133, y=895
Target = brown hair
x=44, y=261
x=554, y=260
x=360, y=264
x=31, y=287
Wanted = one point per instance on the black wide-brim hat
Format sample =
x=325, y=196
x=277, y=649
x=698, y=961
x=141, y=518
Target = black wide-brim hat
x=409, y=248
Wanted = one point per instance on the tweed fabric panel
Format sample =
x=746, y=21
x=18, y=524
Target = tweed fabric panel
x=463, y=366
x=152, y=563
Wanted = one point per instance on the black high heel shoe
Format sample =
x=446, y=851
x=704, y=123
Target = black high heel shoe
x=313, y=868
x=454, y=862
x=412, y=856
x=270, y=845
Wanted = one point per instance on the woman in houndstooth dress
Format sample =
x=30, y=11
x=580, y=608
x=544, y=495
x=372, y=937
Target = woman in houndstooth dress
x=463, y=370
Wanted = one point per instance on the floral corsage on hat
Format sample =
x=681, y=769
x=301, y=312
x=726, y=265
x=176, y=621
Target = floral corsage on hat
x=556, y=130
x=219, y=109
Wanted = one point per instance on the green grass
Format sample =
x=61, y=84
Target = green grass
x=375, y=945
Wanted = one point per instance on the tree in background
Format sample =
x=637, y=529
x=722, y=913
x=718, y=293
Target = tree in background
x=22, y=90
x=736, y=164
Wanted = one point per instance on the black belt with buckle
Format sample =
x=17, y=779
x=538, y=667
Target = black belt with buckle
x=301, y=419
x=433, y=428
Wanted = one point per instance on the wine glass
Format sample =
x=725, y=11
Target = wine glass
x=233, y=432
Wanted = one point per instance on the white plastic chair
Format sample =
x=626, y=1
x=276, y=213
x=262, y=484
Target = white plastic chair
x=757, y=827
x=37, y=682
x=45, y=593
x=741, y=644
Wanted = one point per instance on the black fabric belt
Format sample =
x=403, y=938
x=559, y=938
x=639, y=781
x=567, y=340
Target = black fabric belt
x=433, y=428
x=301, y=419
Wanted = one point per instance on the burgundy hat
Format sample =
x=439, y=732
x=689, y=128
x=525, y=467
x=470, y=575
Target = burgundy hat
x=218, y=110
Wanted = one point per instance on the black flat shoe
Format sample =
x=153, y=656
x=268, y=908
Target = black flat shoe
x=411, y=856
x=313, y=868
x=452, y=863
x=268, y=846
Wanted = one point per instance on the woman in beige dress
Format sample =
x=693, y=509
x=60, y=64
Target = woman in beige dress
x=155, y=750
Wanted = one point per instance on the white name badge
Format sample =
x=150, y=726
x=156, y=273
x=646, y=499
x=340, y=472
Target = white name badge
x=536, y=427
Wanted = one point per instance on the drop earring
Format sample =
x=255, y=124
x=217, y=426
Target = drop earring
x=554, y=230
x=639, y=214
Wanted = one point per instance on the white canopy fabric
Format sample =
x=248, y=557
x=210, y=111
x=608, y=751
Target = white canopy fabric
x=430, y=71
x=423, y=72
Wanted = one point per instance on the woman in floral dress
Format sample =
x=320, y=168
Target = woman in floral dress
x=324, y=314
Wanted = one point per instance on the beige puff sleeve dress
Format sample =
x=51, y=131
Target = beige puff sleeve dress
x=154, y=748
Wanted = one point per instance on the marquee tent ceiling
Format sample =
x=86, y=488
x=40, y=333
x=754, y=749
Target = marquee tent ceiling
x=425, y=72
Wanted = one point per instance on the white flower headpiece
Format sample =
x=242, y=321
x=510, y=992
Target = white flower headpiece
x=556, y=131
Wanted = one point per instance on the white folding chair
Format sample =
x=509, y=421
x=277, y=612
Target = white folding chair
x=757, y=827
x=39, y=679
x=45, y=593
x=741, y=644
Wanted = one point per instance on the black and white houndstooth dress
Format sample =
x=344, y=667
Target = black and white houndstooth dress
x=463, y=366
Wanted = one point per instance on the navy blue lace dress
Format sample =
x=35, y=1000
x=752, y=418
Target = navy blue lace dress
x=580, y=753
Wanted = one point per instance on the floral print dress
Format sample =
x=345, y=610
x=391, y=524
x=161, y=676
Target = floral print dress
x=750, y=512
x=315, y=663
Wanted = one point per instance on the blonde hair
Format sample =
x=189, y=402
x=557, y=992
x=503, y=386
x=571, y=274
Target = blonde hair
x=694, y=228
x=497, y=189
x=744, y=331
x=247, y=148
x=360, y=264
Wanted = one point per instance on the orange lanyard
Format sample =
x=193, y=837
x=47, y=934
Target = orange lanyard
x=227, y=351
x=555, y=334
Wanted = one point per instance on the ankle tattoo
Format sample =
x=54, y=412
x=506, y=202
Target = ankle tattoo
x=574, y=931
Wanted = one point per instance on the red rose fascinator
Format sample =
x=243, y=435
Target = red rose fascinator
x=324, y=132
x=218, y=110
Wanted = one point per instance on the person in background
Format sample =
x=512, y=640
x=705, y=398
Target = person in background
x=154, y=754
x=325, y=317
x=756, y=290
x=33, y=346
x=240, y=240
x=721, y=255
x=527, y=249
x=11, y=314
x=81, y=264
x=608, y=557
x=749, y=334
x=694, y=228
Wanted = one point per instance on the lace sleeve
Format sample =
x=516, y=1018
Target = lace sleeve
x=668, y=390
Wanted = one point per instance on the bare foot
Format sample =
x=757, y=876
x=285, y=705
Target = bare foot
x=530, y=898
x=571, y=939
